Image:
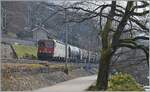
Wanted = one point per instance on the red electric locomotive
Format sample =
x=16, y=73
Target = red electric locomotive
x=45, y=49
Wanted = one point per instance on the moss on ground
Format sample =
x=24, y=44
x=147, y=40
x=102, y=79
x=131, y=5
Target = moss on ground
x=121, y=82
x=25, y=51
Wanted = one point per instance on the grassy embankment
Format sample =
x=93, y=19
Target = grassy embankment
x=30, y=76
x=25, y=51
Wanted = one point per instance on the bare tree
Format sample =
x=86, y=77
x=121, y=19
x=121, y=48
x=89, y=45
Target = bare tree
x=128, y=21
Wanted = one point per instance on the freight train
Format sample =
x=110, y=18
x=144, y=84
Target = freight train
x=54, y=50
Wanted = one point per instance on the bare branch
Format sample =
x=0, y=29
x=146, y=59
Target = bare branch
x=141, y=37
x=140, y=14
x=145, y=4
x=139, y=24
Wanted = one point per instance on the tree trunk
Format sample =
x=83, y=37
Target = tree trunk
x=106, y=54
x=103, y=71
x=103, y=74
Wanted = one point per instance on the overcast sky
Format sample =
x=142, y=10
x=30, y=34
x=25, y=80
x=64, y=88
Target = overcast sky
x=90, y=6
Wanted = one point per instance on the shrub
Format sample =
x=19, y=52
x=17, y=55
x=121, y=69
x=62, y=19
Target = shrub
x=123, y=82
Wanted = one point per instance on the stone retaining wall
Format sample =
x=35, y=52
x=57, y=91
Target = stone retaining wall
x=7, y=51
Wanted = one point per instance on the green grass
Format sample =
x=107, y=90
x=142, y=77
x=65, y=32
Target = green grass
x=22, y=50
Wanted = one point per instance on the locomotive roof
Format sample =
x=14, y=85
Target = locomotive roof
x=58, y=41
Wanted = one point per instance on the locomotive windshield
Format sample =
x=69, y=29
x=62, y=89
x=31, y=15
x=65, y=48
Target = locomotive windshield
x=50, y=44
x=46, y=43
x=41, y=44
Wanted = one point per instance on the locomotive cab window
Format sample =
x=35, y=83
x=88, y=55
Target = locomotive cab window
x=41, y=44
x=50, y=44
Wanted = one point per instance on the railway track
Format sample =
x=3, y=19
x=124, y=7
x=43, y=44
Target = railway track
x=26, y=61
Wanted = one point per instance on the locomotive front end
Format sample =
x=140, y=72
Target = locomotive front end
x=45, y=49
